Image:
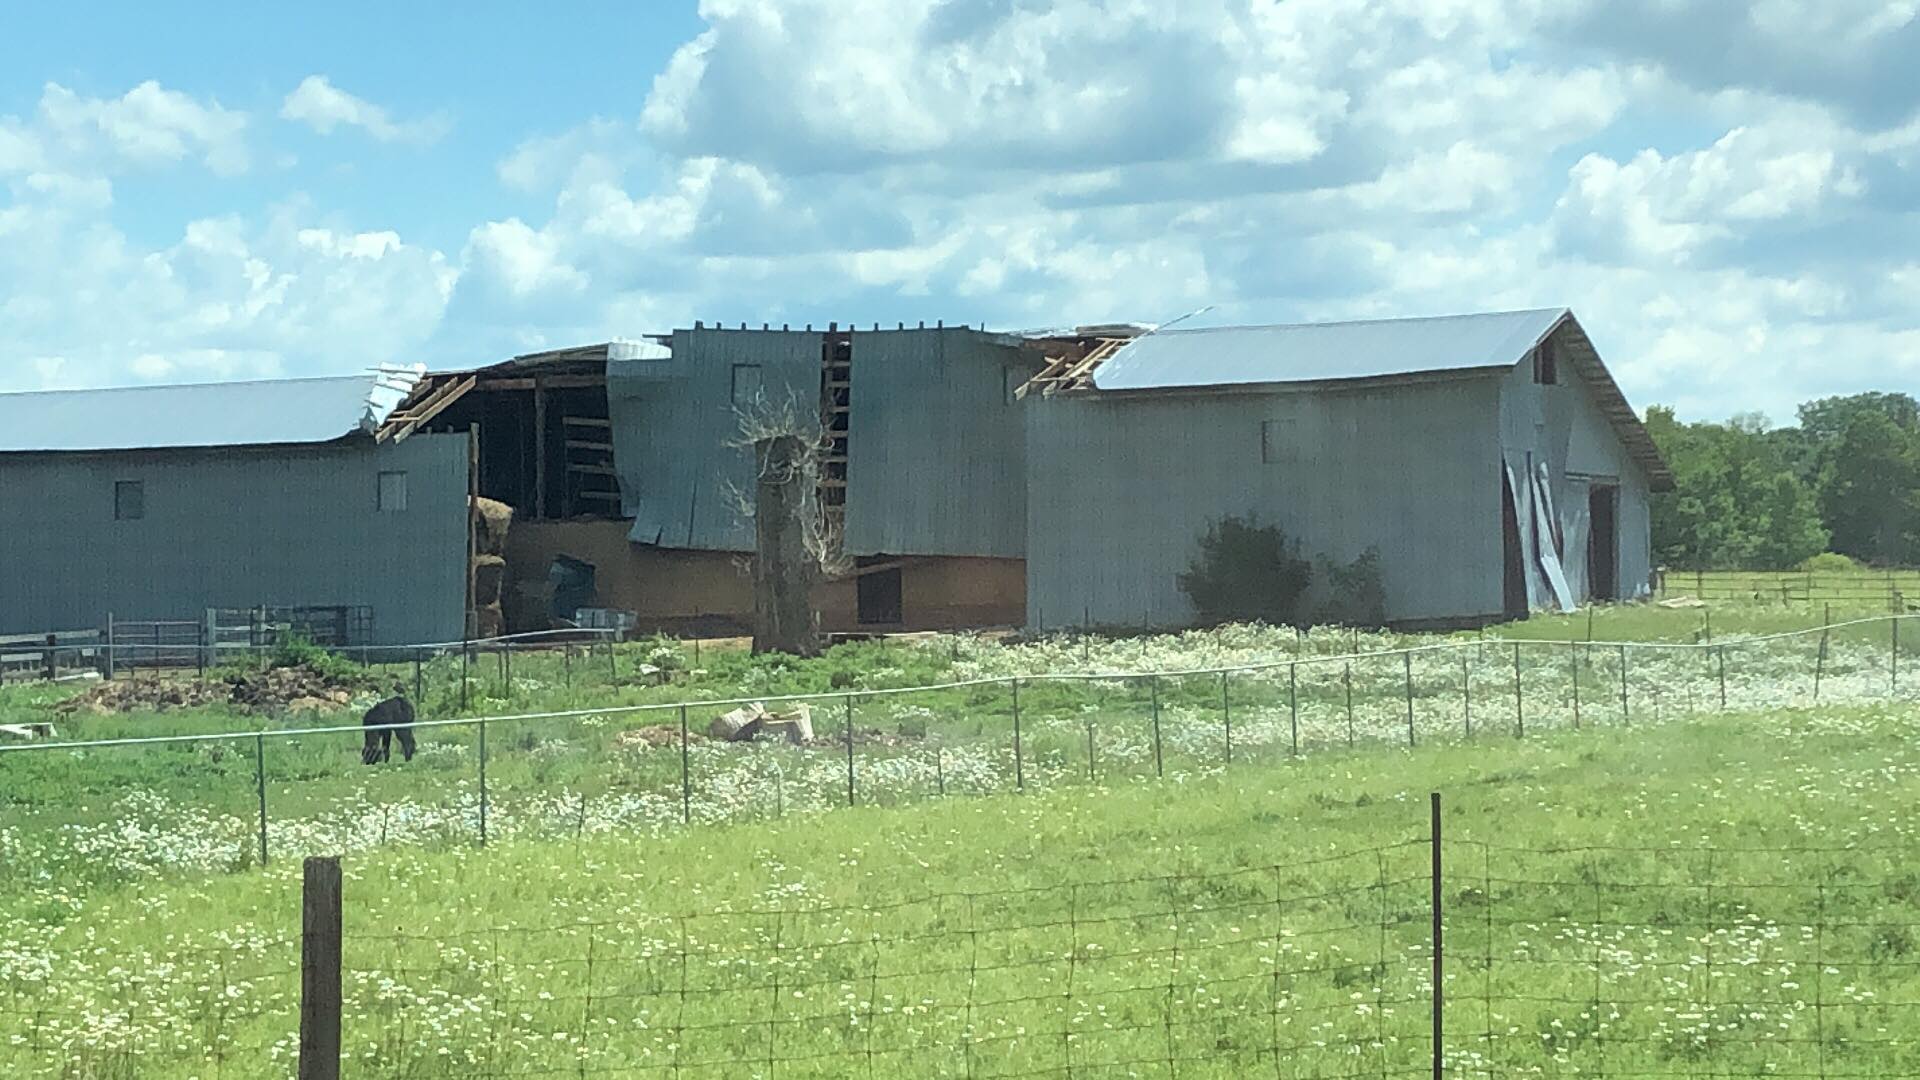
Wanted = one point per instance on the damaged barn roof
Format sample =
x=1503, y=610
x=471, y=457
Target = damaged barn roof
x=264, y=412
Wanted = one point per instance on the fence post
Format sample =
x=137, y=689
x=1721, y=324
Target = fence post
x=1466, y=690
x=1408, y=657
x=613, y=666
x=1226, y=714
x=1090, y=772
x=1293, y=704
x=686, y=776
x=1626, y=714
x=200, y=631
x=1346, y=677
x=1519, y=697
x=1159, y=762
x=849, y=702
x=506, y=668
x=466, y=670
x=1722, y=651
x=51, y=658
x=260, y=785
x=1574, y=648
x=1019, y=762
x=483, y=783
x=320, y=970
x=109, y=646
x=1439, y=981
x=1820, y=664
x=418, y=691
x=1896, y=654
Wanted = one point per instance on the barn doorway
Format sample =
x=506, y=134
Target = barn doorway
x=877, y=592
x=1513, y=603
x=1603, y=544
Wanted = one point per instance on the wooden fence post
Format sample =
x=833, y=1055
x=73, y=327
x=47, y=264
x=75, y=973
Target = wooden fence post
x=320, y=971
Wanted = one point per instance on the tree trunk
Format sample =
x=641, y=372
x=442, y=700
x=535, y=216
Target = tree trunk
x=783, y=569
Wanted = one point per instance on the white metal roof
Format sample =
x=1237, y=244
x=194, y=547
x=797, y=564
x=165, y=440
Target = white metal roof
x=1323, y=352
x=266, y=412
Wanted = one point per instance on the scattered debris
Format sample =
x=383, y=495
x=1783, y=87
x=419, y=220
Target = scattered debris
x=654, y=737
x=27, y=732
x=285, y=689
x=753, y=721
x=1681, y=602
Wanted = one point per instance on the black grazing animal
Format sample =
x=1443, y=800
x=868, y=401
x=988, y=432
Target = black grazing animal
x=391, y=717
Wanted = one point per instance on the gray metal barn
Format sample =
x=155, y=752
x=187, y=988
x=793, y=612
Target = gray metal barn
x=162, y=502
x=1490, y=459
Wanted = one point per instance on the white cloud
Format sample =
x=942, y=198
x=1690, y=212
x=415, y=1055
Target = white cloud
x=147, y=126
x=324, y=107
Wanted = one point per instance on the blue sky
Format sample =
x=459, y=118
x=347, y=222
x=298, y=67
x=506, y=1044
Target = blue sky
x=1729, y=197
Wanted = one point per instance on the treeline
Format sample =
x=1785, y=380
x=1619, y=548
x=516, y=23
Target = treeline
x=1751, y=496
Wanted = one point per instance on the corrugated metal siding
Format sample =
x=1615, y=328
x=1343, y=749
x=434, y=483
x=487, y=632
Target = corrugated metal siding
x=938, y=451
x=674, y=418
x=1564, y=426
x=1121, y=488
x=235, y=528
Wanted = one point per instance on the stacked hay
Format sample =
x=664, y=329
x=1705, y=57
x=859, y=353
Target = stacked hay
x=491, y=520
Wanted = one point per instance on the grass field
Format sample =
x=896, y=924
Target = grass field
x=1672, y=889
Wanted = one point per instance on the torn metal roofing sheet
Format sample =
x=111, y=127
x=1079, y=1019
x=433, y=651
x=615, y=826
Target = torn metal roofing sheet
x=1324, y=352
x=266, y=412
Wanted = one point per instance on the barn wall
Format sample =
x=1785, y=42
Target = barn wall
x=674, y=423
x=680, y=591
x=937, y=446
x=1121, y=488
x=237, y=528
x=1562, y=425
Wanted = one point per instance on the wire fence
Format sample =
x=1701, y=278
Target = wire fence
x=211, y=800
x=1430, y=956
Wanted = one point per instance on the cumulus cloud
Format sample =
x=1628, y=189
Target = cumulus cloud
x=148, y=126
x=324, y=107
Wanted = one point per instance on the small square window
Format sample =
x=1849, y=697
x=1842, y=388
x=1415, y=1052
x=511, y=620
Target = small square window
x=1546, y=367
x=392, y=497
x=1276, y=438
x=129, y=500
x=746, y=384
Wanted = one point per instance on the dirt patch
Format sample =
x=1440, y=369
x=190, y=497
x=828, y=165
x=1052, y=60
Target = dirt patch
x=287, y=689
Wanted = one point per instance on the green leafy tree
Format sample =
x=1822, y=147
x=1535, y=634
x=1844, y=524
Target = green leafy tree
x=1738, y=500
x=1868, y=475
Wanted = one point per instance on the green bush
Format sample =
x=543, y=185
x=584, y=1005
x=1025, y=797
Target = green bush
x=1247, y=572
x=1355, y=594
x=1831, y=562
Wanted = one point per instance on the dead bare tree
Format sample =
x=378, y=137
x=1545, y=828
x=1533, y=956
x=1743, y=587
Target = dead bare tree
x=796, y=544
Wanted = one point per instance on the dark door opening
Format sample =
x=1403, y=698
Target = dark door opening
x=1513, y=598
x=877, y=594
x=1603, y=544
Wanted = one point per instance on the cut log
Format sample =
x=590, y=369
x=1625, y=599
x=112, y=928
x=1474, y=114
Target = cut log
x=739, y=725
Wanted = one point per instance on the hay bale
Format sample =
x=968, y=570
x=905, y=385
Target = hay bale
x=488, y=573
x=488, y=621
x=491, y=520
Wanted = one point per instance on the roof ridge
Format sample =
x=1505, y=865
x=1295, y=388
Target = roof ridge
x=368, y=376
x=1361, y=322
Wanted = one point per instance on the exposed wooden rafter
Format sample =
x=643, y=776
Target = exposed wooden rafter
x=421, y=408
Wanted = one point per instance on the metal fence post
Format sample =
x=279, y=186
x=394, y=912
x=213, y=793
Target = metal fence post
x=686, y=775
x=466, y=670
x=1408, y=657
x=1439, y=968
x=1896, y=654
x=1574, y=649
x=1019, y=764
x=1159, y=761
x=850, y=795
x=1090, y=772
x=1820, y=664
x=483, y=783
x=320, y=971
x=613, y=667
x=1346, y=676
x=1626, y=713
x=1519, y=697
x=1466, y=689
x=506, y=668
x=1226, y=714
x=260, y=785
x=1722, y=651
x=1293, y=704
x=110, y=656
